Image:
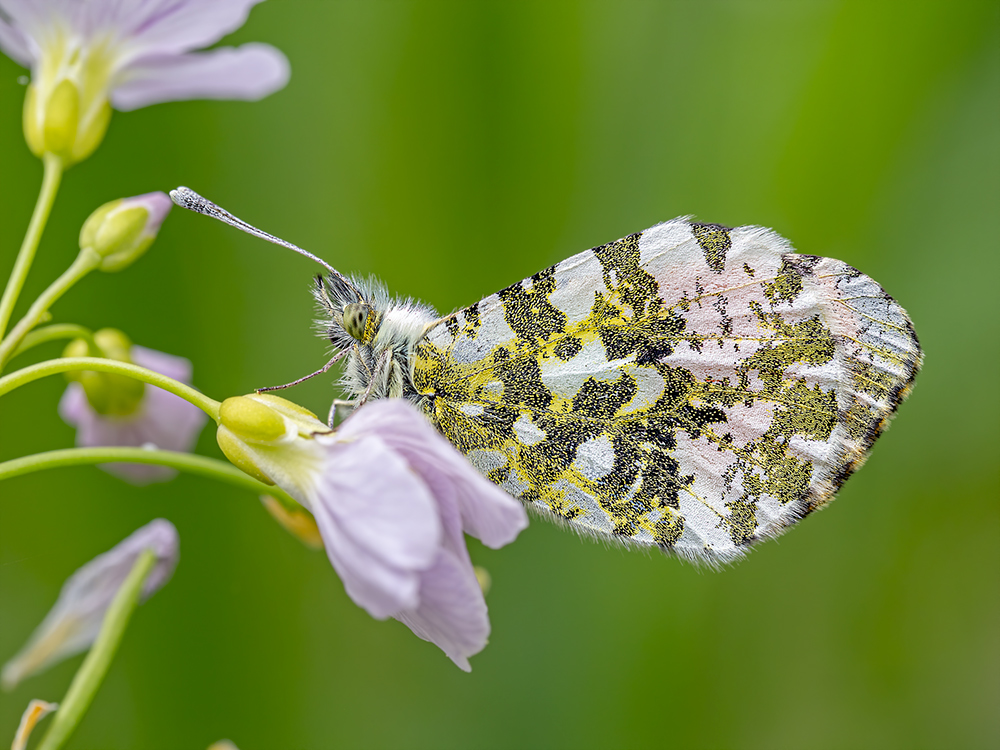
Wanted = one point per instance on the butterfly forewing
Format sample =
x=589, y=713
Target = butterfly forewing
x=691, y=386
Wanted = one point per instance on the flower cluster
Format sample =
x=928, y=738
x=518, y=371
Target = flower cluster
x=386, y=496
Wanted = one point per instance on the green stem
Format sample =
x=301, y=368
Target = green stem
x=91, y=673
x=85, y=262
x=69, y=364
x=200, y=465
x=50, y=186
x=54, y=333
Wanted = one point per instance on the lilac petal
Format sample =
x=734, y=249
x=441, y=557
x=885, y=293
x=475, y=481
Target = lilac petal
x=27, y=13
x=75, y=620
x=177, y=368
x=151, y=26
x=488, y=513
x=160, y=26
x=249, y=72
x=452, y=612
x=73, y=406
x=14, y=45
x=378, y=522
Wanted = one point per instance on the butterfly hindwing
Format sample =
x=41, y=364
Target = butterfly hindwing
x=691, y=386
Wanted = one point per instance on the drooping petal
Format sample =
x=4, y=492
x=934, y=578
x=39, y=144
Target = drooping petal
x=488, y=513
x=35, y=712
x=249, y=72
x=73, y=623
x=452, y=612
x=379, y=525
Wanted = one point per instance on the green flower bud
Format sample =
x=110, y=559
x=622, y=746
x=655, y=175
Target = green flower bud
x=66, y=109
x=108, y=393
x=267, y=436
x=253, y=421
x=122, y=230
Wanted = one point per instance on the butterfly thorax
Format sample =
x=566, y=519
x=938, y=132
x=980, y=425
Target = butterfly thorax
x=377, y=330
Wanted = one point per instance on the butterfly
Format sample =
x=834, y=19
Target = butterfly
x=692, y=387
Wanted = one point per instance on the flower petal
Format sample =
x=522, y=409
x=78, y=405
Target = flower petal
x=488, y=513
x=249, y=72
x=178, y=368
x=14, y=44
x=74, y=621
x=172, y=25
x=452, y=612
x=150, y=26
x=379, y=524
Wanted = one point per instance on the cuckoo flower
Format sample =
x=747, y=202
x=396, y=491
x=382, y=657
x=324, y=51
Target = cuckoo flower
x=88, y=55
x=391, y=498
x=75, y=620
x=113, y=410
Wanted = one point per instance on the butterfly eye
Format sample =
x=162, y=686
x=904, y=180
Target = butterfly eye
x=355, y=318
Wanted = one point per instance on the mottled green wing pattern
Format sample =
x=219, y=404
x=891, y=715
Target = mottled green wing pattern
x=691, y=386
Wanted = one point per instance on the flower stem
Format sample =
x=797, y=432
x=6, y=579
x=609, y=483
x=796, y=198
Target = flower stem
x=85, y=262
x=91, y=673
x=50, y=186
x=54, y=333
x=201, y=465
x=97, y=364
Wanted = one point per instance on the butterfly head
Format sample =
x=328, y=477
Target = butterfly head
x=352, y=309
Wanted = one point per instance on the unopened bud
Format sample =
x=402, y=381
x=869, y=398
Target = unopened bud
x=57, y=122
x=262, y=434
x=108, y=393
x=122, y=230
x=263, y=418
x=253, y=421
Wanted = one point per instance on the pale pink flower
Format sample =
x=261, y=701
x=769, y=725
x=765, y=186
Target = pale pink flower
x=75, y=620
x=392, y=499
x=161, y=419
x=140, y=52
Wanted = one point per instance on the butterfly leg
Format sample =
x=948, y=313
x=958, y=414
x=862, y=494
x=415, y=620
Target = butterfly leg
x=380, y=377
x=336, y=358
x=335, y=408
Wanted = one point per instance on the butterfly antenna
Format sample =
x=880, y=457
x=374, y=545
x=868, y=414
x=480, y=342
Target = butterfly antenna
x=189, y=199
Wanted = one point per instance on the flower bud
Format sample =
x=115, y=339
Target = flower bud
x=268, y=437
x=55, y=124
x=108, y=393
x=120, y=231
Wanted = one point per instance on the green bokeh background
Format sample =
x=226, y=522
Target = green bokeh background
x=453, y=148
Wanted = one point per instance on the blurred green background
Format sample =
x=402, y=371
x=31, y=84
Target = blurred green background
x=453, y=148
